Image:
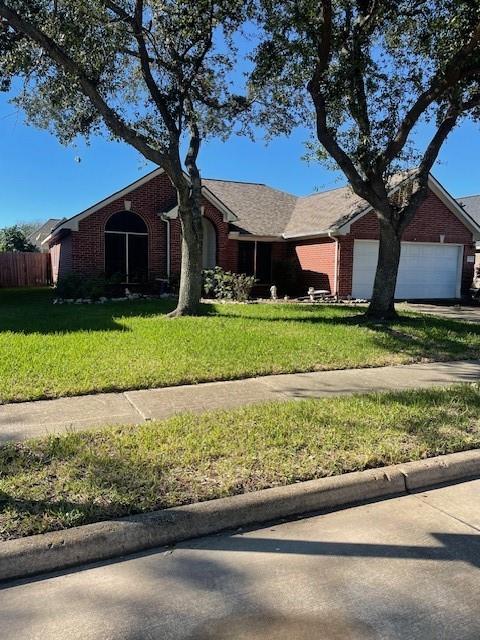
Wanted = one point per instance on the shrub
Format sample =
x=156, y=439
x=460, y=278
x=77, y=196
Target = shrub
x=14, y=239
x=77, y=285
x=225, y=285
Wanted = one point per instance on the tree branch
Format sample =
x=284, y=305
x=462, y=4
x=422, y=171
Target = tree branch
x=358, y=99
x=429, y=157
x=112, y=119
x=443, y=80
x=325, y=137
x=136, y=22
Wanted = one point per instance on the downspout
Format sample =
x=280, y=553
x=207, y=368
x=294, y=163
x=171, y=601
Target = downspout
x=336, y=269
x=167, y=222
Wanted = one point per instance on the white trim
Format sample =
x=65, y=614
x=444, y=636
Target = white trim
x=236, y=235
x=72, y=223
x=126, y=234
x=458, y=286
x=130, y=233
x=441, y=193
x=452, y=204
x=127, y=269
x=172, y=214
x=166, y=219
x=228, y=214
x=458, y=290
x=336, y=265
x=311, y=234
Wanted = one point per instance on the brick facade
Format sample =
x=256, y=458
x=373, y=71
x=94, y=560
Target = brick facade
x=315, y=260
x=88, y=243
x=86, y=247
x=432, y=220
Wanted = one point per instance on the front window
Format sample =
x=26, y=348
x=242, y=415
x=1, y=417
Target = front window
x=126, y=247
x=255, y=259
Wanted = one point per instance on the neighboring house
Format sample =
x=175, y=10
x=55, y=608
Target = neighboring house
x=471, y=204
x=37, y=236
x=326, y=240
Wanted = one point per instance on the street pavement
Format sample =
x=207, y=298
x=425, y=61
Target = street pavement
x=400, y=569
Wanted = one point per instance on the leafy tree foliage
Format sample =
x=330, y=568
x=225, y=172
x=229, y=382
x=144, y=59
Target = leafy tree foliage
x=14, y=239
x=366, y=74
x=154, y=73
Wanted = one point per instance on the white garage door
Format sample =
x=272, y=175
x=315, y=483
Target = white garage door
x=426, y=270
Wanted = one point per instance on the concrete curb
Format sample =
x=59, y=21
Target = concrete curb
x=104, y=540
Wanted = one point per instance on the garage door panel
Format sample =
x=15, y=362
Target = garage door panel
x=425, y=271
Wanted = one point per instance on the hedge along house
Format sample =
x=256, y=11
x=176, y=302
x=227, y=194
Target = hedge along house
x=326, y=240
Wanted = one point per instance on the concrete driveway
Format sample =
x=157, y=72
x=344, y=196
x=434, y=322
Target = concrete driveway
x=406, y=568
x=454, y=312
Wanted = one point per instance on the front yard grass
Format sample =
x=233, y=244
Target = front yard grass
x=47, y=351
x=67, y=480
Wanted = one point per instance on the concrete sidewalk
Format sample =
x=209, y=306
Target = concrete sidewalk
x=399, y=569
x=31, y=419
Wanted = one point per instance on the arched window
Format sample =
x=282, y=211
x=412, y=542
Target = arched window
x=209, y=244
x=126, y=247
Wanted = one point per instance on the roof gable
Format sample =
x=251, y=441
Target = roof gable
x=72, y=223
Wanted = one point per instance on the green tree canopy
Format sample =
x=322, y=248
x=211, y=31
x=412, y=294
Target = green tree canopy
x=14, y=239
x=156, y=74
x=365, y=75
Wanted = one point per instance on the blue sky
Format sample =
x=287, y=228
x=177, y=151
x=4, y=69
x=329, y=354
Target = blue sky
x=42, y=179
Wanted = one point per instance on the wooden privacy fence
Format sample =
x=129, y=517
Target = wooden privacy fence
x=19, y=269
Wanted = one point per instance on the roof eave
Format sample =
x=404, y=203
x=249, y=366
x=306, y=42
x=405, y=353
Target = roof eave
x=310, y=234
x=228, y=214
x=236, y=235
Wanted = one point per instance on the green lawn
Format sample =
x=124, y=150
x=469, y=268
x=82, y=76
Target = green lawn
x=50, y=350
x=68, y=480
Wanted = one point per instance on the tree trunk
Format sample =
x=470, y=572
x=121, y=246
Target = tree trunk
x=190, y=290
x=382, y=305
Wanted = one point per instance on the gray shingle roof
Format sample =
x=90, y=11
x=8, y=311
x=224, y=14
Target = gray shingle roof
x=471, y=204
x=265, y=211
x=261, y=210
x=323, y=211
x=37, y=236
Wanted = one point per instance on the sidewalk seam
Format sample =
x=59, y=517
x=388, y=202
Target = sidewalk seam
x=144, y=417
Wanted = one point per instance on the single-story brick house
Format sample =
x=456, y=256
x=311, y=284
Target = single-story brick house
x=326, y=240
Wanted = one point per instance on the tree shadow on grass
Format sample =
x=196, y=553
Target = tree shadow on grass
x=36, y=313
x=416, y=335
x=156, y=484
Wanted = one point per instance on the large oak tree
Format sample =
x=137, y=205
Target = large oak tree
x=154, y=73
x=367, y=74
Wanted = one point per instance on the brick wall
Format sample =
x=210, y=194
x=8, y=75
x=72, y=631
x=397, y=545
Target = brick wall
x=88, y=243
x=61, y=257
x=315, y=263
x=432, y=219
